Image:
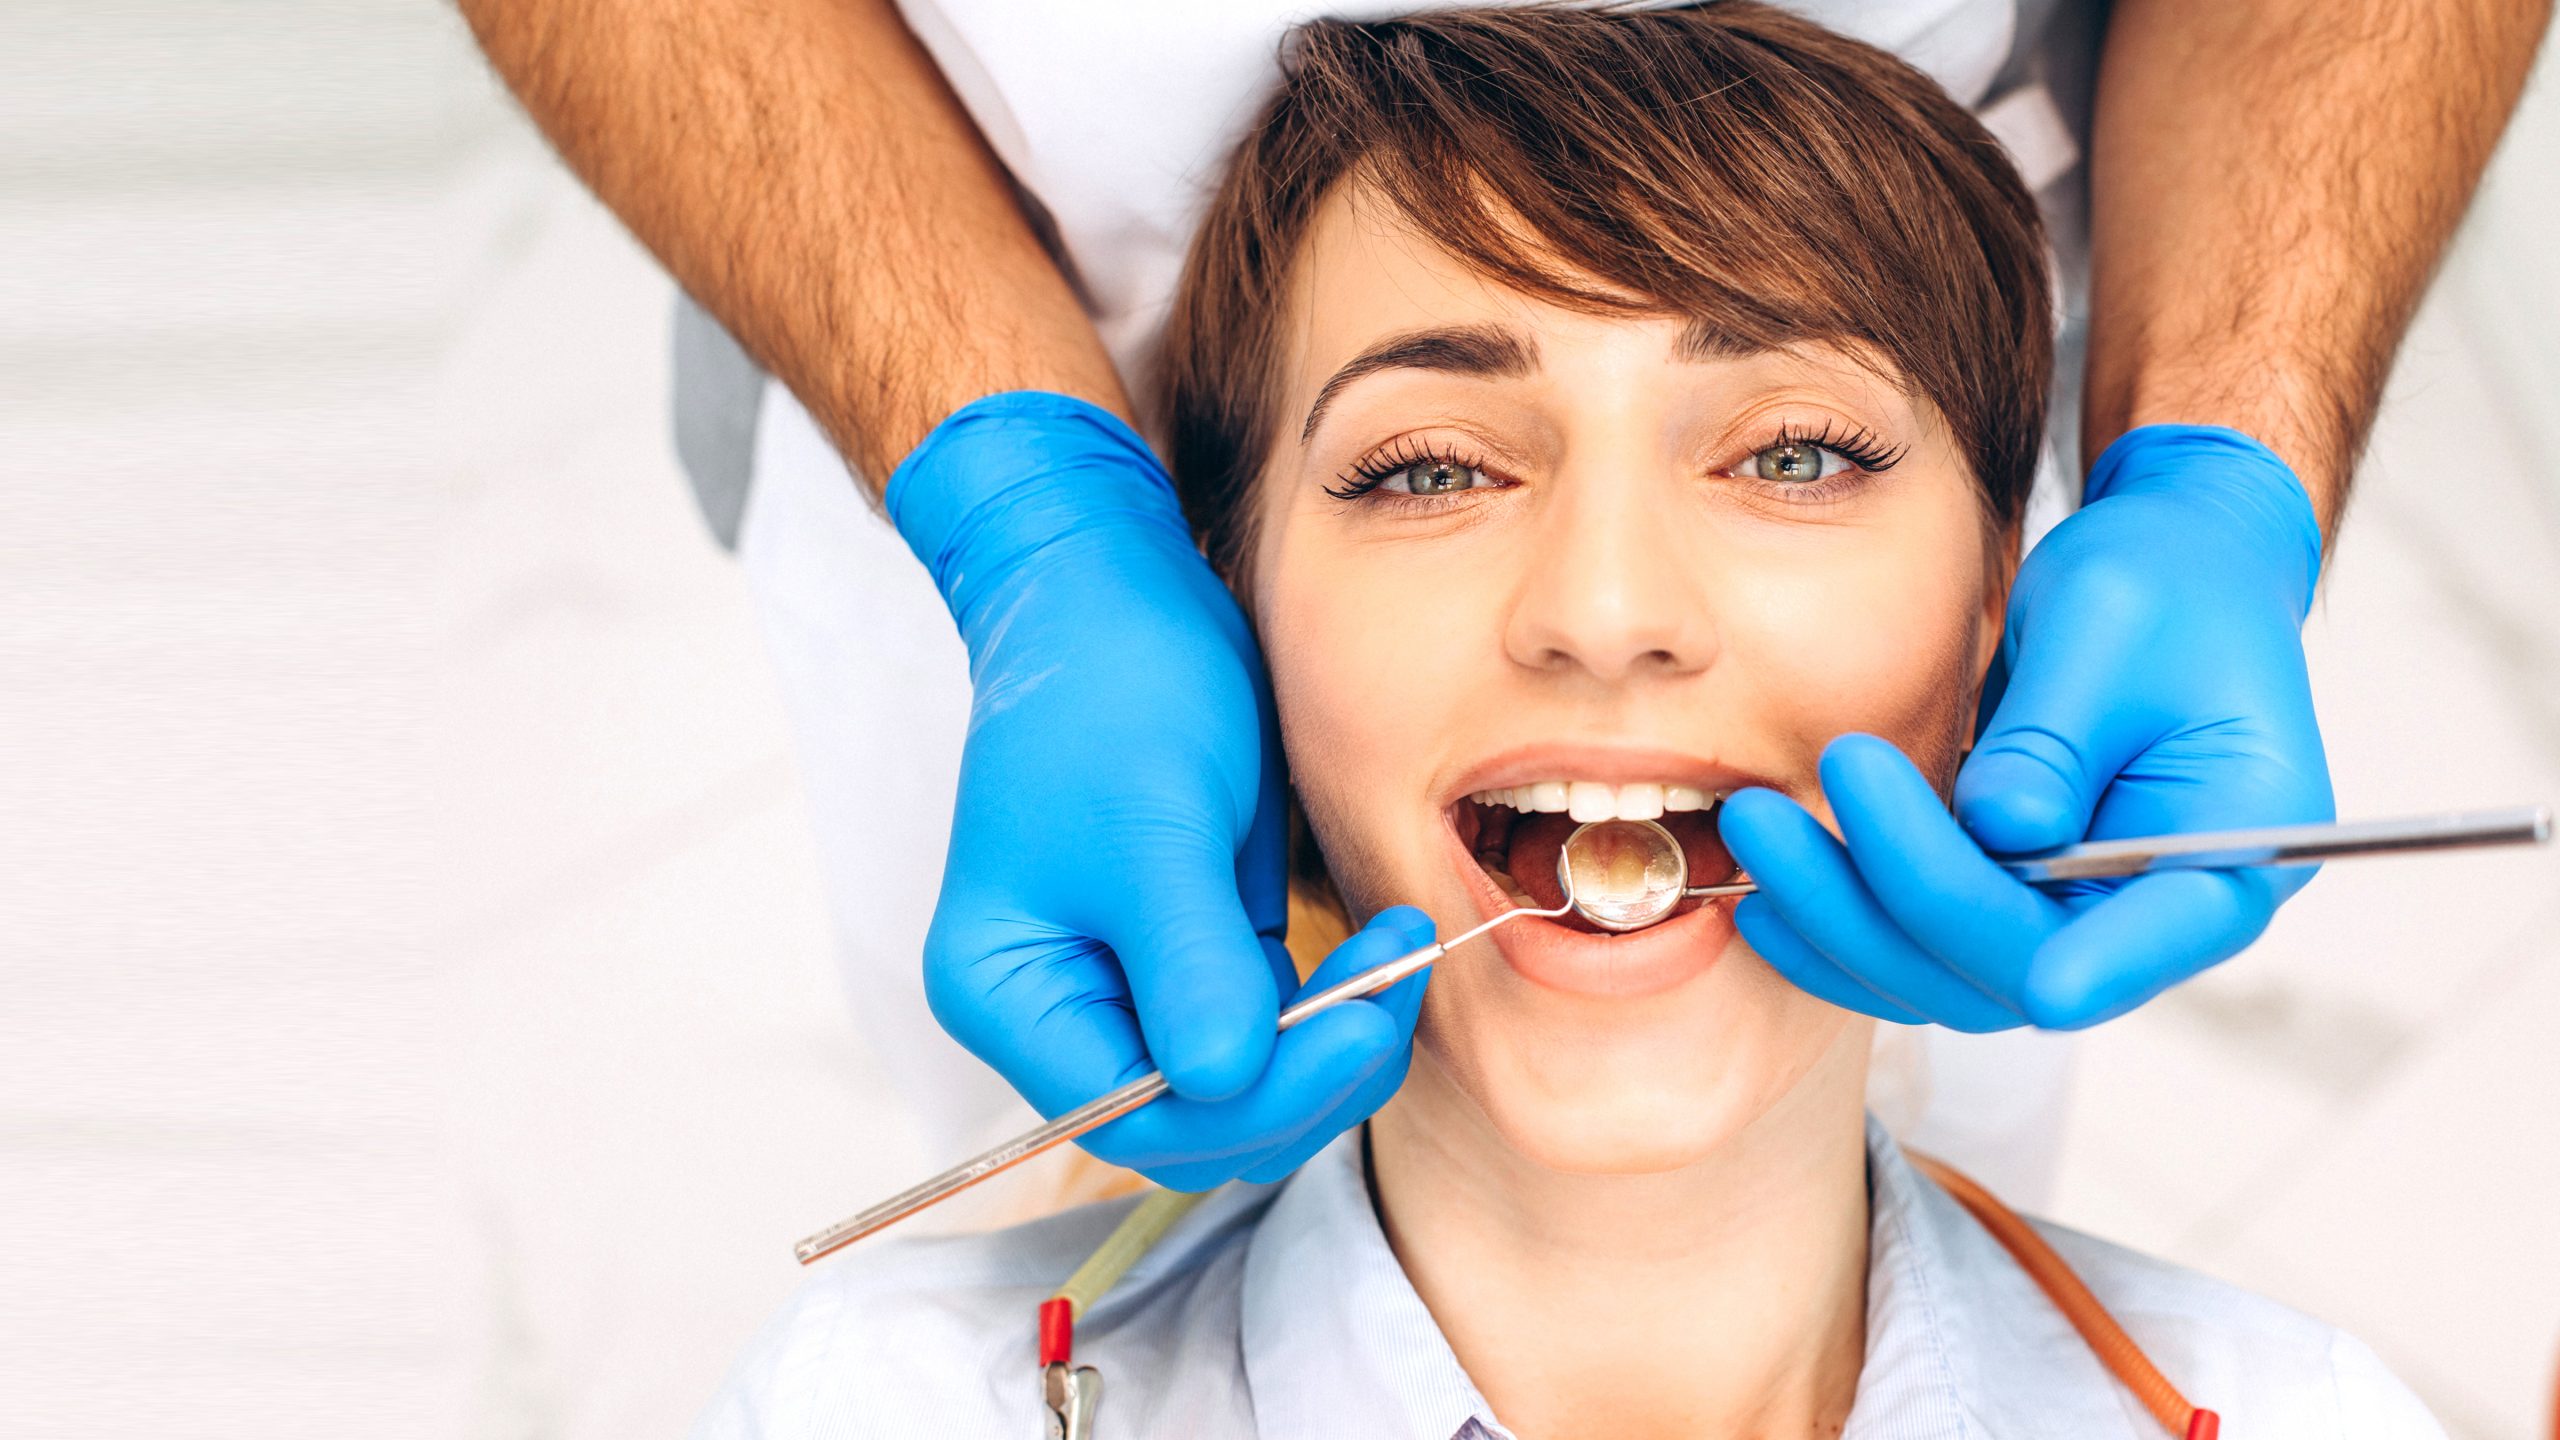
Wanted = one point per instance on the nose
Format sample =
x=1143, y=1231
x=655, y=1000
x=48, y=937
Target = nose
x=1615, y=591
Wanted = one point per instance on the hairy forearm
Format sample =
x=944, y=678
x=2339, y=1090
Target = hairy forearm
x=2273, y=182
x=802, y=169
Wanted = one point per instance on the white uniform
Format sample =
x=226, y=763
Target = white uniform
x=1117, y=119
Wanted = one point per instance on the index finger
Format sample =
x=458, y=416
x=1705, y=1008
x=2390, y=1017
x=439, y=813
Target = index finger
x=1954, y=901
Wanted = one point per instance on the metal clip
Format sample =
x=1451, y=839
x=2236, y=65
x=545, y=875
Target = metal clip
x=1069, y=1394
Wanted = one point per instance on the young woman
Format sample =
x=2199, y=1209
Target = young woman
x=1598, y=413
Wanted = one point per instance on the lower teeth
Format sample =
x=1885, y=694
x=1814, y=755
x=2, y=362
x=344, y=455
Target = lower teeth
x=1510, y=887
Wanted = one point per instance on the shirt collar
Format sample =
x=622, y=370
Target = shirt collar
x=1961, y=1344
x=1336, y=1342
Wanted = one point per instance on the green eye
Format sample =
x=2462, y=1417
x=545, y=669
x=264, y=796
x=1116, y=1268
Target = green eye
x=1434, y=477
x=1797, y=462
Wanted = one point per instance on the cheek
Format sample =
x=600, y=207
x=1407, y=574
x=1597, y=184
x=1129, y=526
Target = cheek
x=1333, y=676
x=1882, y=637
x=1367, y=661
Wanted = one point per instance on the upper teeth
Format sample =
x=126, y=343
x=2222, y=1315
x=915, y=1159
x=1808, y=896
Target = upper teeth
x=1588, y=800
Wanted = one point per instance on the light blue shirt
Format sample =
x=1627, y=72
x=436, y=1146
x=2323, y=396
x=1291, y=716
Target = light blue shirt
x=1279, y=1312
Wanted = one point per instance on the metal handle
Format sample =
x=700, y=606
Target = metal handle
x=2278, y=845
x=2286, y=845
x=1099, y=1112
x=1093, y=1114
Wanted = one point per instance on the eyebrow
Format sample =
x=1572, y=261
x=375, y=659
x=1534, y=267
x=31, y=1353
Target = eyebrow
x=1703, y=339
x=1489, y=350
x=1492, y=350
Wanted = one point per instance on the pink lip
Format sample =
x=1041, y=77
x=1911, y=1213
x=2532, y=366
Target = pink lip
x=1616, y=967
x=1558, y=957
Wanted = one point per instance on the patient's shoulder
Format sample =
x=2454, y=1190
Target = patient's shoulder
x=2266, y=1368
x=898, y=1334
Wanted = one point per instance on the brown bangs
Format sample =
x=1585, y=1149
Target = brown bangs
x=1731, y=165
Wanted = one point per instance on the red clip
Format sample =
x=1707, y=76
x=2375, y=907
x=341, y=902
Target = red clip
x=1058, y=1334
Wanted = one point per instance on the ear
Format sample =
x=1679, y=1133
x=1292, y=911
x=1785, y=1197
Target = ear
x=2000, y=546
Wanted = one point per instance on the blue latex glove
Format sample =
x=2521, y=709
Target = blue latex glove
x=1116, y=888
x=2150, y=680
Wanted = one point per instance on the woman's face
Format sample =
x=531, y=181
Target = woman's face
x=1603, y=552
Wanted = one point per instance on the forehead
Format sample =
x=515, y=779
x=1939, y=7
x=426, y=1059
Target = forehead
x=1364, y=279
x=1361, y=271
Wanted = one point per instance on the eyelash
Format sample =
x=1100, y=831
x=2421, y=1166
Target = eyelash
x=1383, y=465
x=1861, y=447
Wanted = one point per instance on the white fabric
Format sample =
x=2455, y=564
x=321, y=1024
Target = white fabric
x=1117, y=118
x=876, y=683
x=1120, y=116
x=1280, y=1312
x=2030, y=127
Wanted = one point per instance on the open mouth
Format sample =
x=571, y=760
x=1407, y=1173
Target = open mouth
x=1516, y=833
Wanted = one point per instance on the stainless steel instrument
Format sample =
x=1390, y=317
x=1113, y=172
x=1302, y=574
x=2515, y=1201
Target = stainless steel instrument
x=1107, y=1108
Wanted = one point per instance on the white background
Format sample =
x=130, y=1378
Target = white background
x=416, y=1015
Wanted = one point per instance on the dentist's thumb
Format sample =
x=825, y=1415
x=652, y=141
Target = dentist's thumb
x=2061, y=733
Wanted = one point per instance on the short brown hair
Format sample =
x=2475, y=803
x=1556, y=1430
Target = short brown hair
x=1728, y=163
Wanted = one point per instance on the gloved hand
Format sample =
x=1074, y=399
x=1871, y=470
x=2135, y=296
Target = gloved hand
x=2150, y=679
x=1115, y=893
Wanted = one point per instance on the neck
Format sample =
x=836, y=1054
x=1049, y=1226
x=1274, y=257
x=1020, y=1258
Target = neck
x=1725, y=1298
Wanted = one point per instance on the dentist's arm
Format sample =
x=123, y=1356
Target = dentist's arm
x=1115, y=889
x=2273, y=182
x=803, y=170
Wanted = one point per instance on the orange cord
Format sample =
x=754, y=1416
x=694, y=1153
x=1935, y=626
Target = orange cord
x=2114, y=1348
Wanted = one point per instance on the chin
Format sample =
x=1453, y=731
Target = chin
x=1628, y=1086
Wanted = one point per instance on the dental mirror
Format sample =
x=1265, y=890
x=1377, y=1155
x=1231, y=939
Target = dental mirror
x=1622, y=875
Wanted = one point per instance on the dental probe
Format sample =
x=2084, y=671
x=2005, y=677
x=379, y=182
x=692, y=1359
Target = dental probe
x=1107, y=1108
x=1633, y=873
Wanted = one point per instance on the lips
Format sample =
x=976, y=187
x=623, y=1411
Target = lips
x=1508, y=860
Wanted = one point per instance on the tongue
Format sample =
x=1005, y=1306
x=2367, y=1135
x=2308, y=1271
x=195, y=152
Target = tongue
x=1536, y=841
